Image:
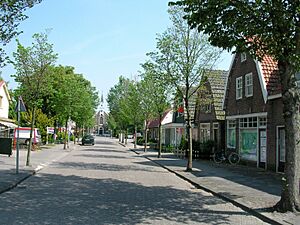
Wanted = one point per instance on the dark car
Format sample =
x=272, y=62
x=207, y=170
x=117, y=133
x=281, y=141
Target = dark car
x=88, y=139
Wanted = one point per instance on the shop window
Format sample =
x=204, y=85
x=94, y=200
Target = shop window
x=248, y=144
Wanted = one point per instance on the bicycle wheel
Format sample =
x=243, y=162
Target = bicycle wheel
x=218, y=158
x=234, y=158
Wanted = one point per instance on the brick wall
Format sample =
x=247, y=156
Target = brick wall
x=246, y=105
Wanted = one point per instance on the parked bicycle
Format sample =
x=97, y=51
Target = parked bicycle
x=224, y=156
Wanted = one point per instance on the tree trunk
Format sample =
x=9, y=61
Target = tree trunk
x=75, y=135
x=159, y=138
x=135, y=136
x=189, y=166
x=66, y=133
x=290, y=195
x=146, y=138
x=30, y=137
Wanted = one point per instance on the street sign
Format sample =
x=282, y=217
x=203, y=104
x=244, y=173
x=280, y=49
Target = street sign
x=20, y=107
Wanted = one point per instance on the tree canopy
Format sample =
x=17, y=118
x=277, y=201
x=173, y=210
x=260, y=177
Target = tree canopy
x=11, y=14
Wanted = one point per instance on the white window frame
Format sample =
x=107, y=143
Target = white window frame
x=248, y=122
x=205, y=132
x=249, y=85
x=262, y=122
x=243, y=57
x=239, y=87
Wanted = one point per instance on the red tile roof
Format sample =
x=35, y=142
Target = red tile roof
x=271, y=75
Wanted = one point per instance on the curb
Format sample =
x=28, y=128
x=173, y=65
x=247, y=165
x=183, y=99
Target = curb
x=198, y=186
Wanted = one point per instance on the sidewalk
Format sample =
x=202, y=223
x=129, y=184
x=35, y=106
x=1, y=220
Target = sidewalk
x=252, y=189
x=39, y=159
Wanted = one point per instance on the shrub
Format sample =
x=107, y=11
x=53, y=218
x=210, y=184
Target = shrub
x=183, y=144
x=140, y=140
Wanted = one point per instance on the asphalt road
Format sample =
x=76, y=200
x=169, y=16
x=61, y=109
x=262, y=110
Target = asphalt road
x=108, y=184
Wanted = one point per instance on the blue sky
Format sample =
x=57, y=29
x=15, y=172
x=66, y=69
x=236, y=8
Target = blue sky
x=102, y=39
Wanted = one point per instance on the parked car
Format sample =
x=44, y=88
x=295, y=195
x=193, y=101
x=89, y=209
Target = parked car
x=88, y=139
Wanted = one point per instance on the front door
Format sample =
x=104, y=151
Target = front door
x=262, y=148
x=281, y=149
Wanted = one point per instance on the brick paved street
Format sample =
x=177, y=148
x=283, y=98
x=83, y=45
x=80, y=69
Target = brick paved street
x=107, y=184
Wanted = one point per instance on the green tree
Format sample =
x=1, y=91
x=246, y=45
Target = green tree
x=262, y=28
x=130, y=106
x=32, y=67
x=112, y=124
x=41, y=121
x=115, y=98
x=11, y=14
x=154, y=98
x=73, y=98
x=183, y=56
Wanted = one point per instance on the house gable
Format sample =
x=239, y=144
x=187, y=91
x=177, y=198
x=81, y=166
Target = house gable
x=210, y=97
x=244, y=103
x=266, y=71
x=4, y=100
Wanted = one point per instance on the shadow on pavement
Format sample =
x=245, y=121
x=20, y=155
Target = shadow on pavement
x=251, y=177
x=56, y=199
x=101, y=166
x=101, y=156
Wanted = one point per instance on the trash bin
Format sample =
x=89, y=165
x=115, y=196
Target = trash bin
x=6, y=146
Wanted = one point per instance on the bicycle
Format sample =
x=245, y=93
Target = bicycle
x=222, y=156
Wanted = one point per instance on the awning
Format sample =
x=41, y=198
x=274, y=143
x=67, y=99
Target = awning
x=8, y=124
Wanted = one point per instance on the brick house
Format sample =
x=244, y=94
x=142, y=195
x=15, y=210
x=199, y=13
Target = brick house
x=209, y=115
x=253, y=112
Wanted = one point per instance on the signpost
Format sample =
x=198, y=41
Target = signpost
x=20, y=108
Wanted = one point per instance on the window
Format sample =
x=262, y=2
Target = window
x=248, y=144
x=250, y=122
x=239, y=87
x=262, y=122
x=243, y=57
x=248, y=85
x=231, y=134
x=204, y=132
x=206, y=108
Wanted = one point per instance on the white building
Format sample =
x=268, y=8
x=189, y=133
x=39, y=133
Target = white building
x=5, y=124
x=101, y=126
